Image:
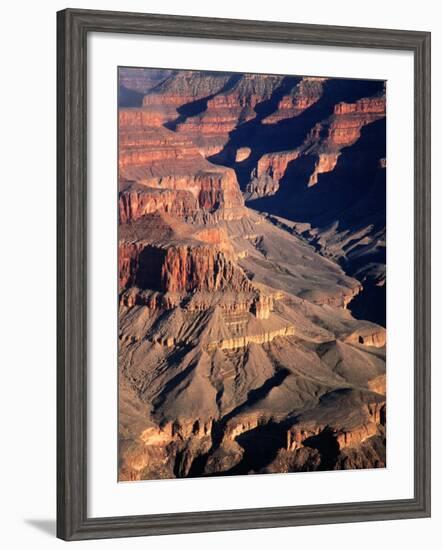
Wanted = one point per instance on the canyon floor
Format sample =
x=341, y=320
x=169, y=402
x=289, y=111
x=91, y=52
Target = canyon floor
x=251, y=274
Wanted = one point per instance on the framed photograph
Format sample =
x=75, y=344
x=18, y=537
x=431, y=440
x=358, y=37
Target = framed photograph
x=243, y=274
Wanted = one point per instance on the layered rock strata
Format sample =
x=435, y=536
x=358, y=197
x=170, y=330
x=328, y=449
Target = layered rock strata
x=238, y=350
x=302, y=96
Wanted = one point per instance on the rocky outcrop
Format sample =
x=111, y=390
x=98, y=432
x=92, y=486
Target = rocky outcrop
x=137, y=119
x=345, y=127
x=260, y=338
x=163, y=452
x=137, y=201
x=153, y=147
x=367, y=105
x=179, y=268
x=325, y=163
x=218, y=190
x=304, y=94
x=203, y=268
x=264, y=186
x=371, y=335
x=168, y=172
x=208, y=189
x=275, y=164
x=341, y=130
x=339, y=299
x=180, y=89
x=262, y=306
x=242, y=153
x=364, y=423
x=269, y=170
x=127, y=263
x=225, y=109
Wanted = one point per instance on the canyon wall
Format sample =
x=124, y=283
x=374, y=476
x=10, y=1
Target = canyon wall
x=251, y=220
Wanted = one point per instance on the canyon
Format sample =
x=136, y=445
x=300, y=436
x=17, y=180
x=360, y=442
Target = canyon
x=252, y=274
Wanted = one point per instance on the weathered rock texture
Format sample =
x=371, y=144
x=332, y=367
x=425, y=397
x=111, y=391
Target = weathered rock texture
x=221, y=112
x=303, y=95
x=238, y=348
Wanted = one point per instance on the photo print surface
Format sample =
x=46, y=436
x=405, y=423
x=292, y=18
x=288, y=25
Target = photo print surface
x=252, y=273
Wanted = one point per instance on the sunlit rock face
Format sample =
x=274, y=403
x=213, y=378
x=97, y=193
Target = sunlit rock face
x=304, y=93
x=251, y=270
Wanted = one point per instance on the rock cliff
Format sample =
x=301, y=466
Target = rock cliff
x=238, y=348
x=160, y=170
x=233, y=104
x=303, y=95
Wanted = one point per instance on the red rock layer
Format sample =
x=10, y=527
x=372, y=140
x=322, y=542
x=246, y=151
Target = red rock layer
x=341, y=129
x=348, y=119
x=127, y=263
x=137, y=118
x=136, y=201
x=275, y=164
x=270, y=169
x=178, y=268
x=169, y=171
x=153, y=147
x=200, y=268
x=226, y=109
x=181, y=88
x=325, y=162
x=305, y=94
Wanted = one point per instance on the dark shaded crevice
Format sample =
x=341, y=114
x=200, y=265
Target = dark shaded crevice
x=260, y=448
x=260, y=445
x=198, y=465
x=369, y=304
x=178, y=464
x=327, y=446
x=148, y=272
x=352, y=194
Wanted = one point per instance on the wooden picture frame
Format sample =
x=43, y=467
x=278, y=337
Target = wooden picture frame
x=73, y=27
